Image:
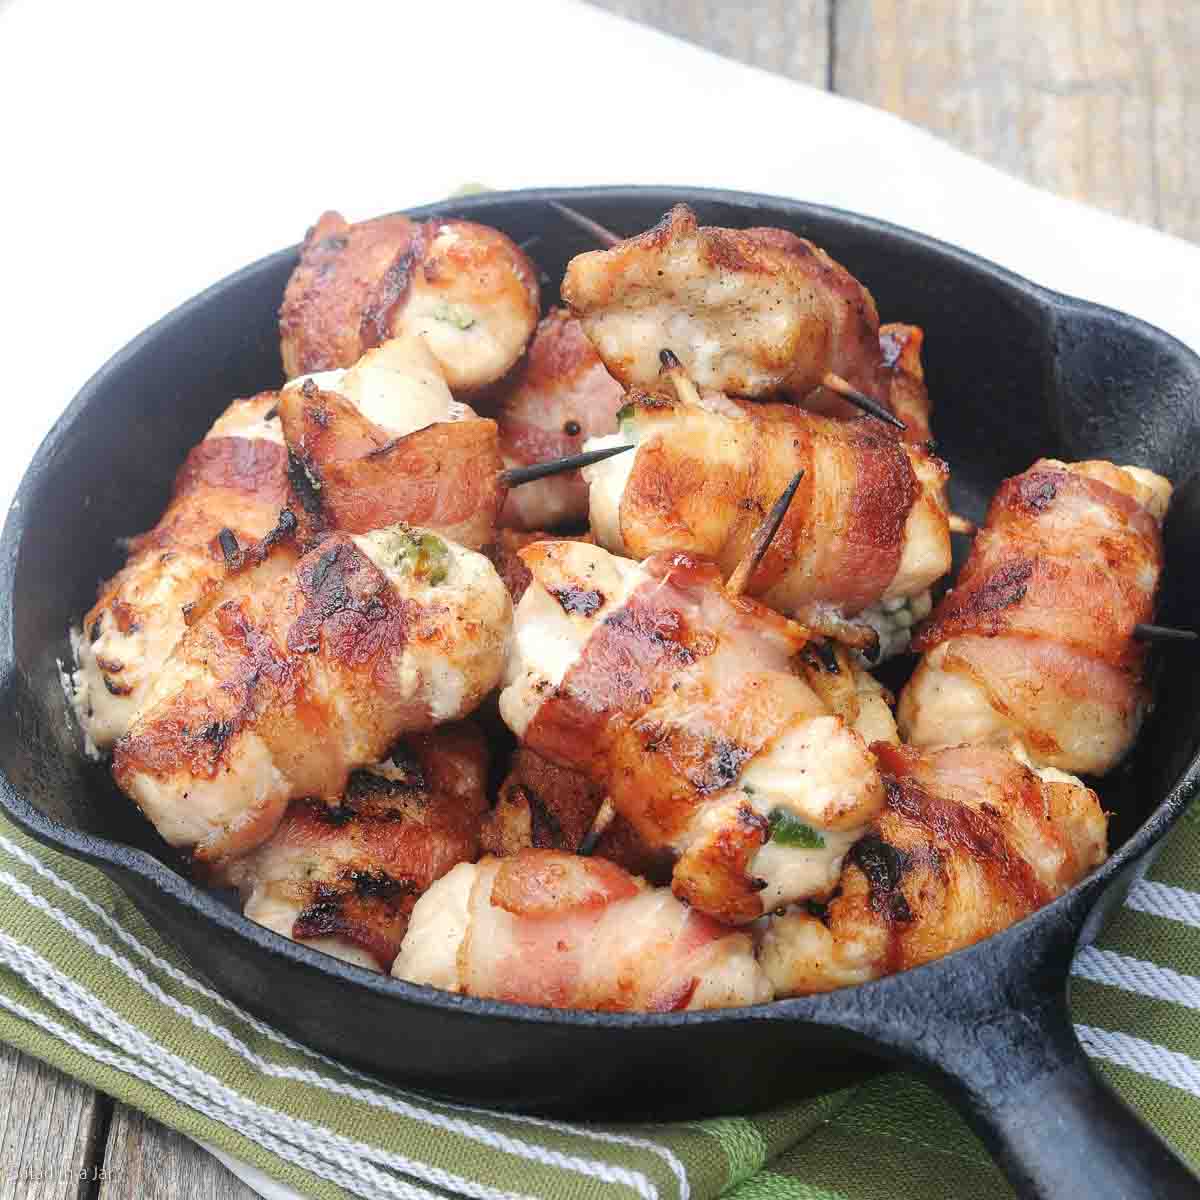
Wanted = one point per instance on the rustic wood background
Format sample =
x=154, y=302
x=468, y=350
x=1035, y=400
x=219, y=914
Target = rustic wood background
x=1094, y=99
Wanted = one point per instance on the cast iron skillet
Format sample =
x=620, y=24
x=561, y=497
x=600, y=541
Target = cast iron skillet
x=1016, y=372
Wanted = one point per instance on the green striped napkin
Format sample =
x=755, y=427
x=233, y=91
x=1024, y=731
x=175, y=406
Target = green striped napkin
x=87, y=986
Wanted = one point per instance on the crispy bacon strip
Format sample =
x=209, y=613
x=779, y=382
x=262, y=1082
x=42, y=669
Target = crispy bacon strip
x=684, y=703
x=559, y=396
x=465, y=289
x=357, y=476
x=304, y=671
x=343, y=875
x=233, y=484
x=548, y=807
x=1035, y=641
x=561, y=931
x=969, y=842
x=868, y=522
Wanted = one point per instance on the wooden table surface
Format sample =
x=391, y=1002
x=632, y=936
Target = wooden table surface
x=1095, y=99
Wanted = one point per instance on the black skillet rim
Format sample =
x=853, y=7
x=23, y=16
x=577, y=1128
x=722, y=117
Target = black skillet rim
x=821, y=1009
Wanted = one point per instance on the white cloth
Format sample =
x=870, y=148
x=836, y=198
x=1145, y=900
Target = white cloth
x=149, y=149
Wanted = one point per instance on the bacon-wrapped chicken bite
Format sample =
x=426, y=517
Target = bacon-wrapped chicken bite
x=866, y=534
x=384, y=441
x=342, y=875
x=234, y=480
x=548, y=807
x=686, y=703
x=559, y=396
x=562, y=931
x=970, y=841
x=750, y=312
x=1035, y=641
x=300, y=672
x=465, y=289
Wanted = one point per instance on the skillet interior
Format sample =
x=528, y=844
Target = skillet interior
x=1015, y=373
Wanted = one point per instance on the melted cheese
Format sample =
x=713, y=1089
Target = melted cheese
x=606, y=482
x=437, y=929
x=398, y=386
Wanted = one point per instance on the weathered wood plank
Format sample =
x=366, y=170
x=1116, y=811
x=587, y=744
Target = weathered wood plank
x=790, y=37
x=1094, y=99
x=50, y=1129
x=149, y=1161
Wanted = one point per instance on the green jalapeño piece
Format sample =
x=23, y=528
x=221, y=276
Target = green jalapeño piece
x=787, y=830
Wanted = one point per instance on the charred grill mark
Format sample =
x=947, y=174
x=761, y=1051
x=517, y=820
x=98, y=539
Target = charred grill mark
x=1036, y=490
x=217, y=733
x=390, y=293
x=710, y=763
x=116, y=689
x=336, y=815
x=753, y=822
x=230, y=548
x=578, y=602
x=285, y=527
x=379, y=885
x=1006, y=587
x=951, y=825
x=305, y=481
x=367, y=786
x=403, y=758
x=724, y=766
x=884, y=866
x=96, y=630
x=545, y=831
x=663, y=631
x=321, y=570
x=348, y=601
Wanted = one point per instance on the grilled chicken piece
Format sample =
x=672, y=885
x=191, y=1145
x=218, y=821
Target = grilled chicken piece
x=558, y=397
x=687, y=705
x=505, y=554
x=750, y=312
x=384, y=441
x=1035, y=641
x=971, y=840
x=236, y=480
x=303, y=671
x=562, y=931
x=866, y=535
x=548, y=807
x=343, y=875
x=465, y=289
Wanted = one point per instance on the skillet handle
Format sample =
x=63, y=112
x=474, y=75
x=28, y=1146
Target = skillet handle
x=994, y=1032
x=1054, y=1127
